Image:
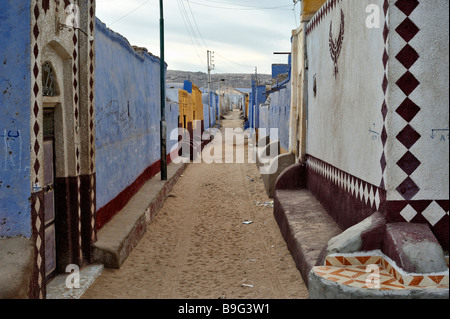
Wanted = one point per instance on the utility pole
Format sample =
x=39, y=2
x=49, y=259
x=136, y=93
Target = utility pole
x=211, y=67
x=163, y=130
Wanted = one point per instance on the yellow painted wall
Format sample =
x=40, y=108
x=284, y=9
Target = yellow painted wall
x=197, y=104
x=184, y=101
x=247, y=99
x=310, y=7
x=191, y=105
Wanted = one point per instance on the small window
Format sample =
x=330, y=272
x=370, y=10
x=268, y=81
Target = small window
x=49, y=86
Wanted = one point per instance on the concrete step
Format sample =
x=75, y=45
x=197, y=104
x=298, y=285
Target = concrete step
x=61, y=287
x=305, y=226
x=120, y=236
x=373, y=275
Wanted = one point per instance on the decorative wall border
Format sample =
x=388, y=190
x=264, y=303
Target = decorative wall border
x=320, y=15
x=385, y=85
x=434, y=212
x=408, y=110
x=403, y=280
x=91, y=91
x=347, y=198
x=37, y=283
x=76, y=104
x=78, y=231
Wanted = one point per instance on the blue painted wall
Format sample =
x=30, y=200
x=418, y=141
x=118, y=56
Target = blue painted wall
x=210, y=102
x=280, y=104
x=258, y=97
x=206, y=116
x=264, y=117
x=127, y=113
x=279, y=69
x=15, y=91
x=172, y=113
x=279, y=113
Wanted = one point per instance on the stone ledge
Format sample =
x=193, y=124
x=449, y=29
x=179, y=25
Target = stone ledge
x=305, y=226
x=119, y=237
x=275, y=168
x=57, y=288
x=16, y=255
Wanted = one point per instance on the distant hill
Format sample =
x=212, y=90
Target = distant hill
x=200, y=79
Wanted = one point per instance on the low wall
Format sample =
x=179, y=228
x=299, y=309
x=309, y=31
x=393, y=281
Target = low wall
x=377, y=111
x=127, y=120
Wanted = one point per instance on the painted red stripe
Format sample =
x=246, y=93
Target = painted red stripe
x=107, y=212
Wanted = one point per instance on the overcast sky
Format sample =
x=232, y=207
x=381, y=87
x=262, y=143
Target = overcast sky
x=242, y=34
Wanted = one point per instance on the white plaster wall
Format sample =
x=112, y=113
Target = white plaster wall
x=297, y=121
x=432, y=71
x=347, y=107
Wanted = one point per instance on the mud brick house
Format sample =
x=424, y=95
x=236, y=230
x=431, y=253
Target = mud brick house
x=47, y=120
x=80, y=134
x=369, y=116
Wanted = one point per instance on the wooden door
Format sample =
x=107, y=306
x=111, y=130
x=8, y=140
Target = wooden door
x=49, y=195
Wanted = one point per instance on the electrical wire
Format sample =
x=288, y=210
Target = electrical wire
x=242, y=7
x=190, y=30
x=196, y=25
x=129, y=13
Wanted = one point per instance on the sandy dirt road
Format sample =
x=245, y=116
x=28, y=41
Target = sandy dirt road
x=199, y=246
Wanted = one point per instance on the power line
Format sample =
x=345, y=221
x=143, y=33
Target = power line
x=242, y=7
x=131, y=12
x=190, y=29
x=196, y=25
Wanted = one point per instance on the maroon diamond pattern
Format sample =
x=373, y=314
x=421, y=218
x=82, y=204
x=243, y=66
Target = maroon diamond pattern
x=409, y=163
x=407, y=30
x=385, y=58
x=383, y=162
x=36, y=12
x=420, y=205
x=46, y=5
x=386, y=6
x=36, y=31
x=382, y=186
x=35, y=70
x=36, y=129
x=36, y=51
x=385, y=32
x=385, y=84
x=384, y=110
x=37, y=166
x=408, y=110
x=408, y=83
x=36, y=89
x=407, y=6
x=444, y=204
x=384, y=136
x=408, y=136
x=36, y=110
x=407, y=56
x=36, y=148
x=408, y=189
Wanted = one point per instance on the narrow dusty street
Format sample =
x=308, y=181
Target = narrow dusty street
x=198, y=246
